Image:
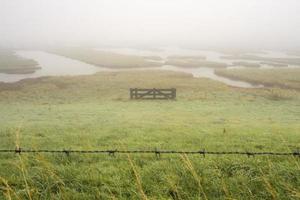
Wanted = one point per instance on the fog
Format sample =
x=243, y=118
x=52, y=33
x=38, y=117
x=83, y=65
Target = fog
x=260, y=24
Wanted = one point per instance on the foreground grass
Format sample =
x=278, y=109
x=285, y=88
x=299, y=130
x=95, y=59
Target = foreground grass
x=105, y=59
x=13, y=64
x=93, y=112
x=283, y=78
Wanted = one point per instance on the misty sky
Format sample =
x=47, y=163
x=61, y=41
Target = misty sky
x=237, y=23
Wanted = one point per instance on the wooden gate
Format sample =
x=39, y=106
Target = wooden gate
x=154, y=93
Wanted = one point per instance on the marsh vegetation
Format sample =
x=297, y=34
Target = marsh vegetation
x=194, y=62
x=246, y=64
x=11, y=63
x=289, y=61
x=283, y=78
x=105, y=58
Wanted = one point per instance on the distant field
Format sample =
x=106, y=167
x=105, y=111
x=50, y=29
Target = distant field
x=105, y=59
x=13, y=64
x=274, y=64
x=187, y=57
x=290, y=61
x=294, y=53
x=94, y=112
x=156, y=58
x=193, y=62
x=246, y=64
x=283, y=78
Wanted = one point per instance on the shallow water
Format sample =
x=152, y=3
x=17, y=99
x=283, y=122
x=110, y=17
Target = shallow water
x=213, y=56
x=54, y=65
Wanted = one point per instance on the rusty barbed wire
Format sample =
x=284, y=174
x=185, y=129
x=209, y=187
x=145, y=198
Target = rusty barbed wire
x=156, y=152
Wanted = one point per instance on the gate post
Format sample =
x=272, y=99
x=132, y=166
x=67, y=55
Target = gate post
x=154, y=93
x=131, y=93
x=174, y=93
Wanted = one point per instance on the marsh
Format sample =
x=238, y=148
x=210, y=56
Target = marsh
x=69, y=128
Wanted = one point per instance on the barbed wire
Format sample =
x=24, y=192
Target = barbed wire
x=156, y=152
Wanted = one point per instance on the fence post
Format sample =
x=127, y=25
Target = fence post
x=131, y=93
x=135, y=93
x=173, y=93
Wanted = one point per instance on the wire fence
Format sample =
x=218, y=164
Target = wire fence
x=156, y=152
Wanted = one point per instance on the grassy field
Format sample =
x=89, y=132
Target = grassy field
x=294, y=53
x=194, y=62
x=188, y=57
x=290, y=61
x=105, y=59
x=283, y=78
x=13, y=64
x=94, y=112
x=246, y=64
x=274, y=64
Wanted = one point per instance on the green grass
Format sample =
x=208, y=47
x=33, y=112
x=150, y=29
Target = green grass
x=283, y=78
x=94, y=112
x=10, y=63
x=103, y=58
